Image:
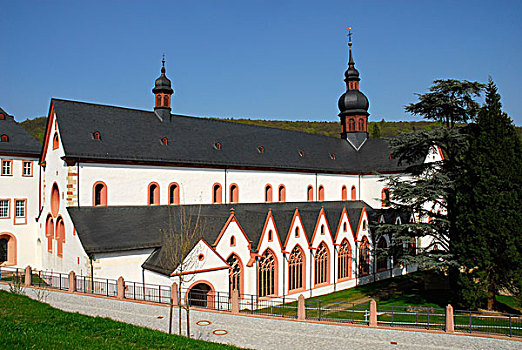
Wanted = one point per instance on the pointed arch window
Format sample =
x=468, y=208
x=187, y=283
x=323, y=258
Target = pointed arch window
x=282, y=193
x=216, y=194
x=266, y=274
x=158, y=100
x=345, y=260
x=321, y=264
x=166, y=100
x=99, y=194
x=361, y=124
x=364, y=257
x=174, y=193
x=235, y=273
x=320, y=195
x=154, y=194
x=270, y=236
x=49, y=232
x=310, y=193
x=351, y=124
x=234, y=193
x=354, y=193
x=268, y=193
x=344, y=193
x=55, y=200
x=56, y=143
x=295, y=269
x=60, y=236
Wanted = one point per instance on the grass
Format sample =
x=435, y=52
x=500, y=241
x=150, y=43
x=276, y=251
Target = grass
x=26, y=323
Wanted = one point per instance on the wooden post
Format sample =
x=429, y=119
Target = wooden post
x=301, y=310
x=72, y=281
x=450, y=322
x=234, y=300
x=373, y=314
x=121, y=288
x=174, y=293
x=28, y=276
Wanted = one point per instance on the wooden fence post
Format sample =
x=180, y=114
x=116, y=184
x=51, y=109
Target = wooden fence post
x=373, y=313
x=72, y=281
x=301, y=310
x=121, y=288
x=28, y=276
x=450, y=321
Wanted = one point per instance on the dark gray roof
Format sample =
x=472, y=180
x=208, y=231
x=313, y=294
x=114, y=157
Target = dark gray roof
x=135, y=136
x=20, y=141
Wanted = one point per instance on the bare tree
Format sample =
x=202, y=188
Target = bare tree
x=179, y=252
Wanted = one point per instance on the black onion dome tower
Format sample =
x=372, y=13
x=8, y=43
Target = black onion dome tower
x=353, y=106
x=162, y=91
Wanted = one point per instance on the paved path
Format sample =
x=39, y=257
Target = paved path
x=261, y=333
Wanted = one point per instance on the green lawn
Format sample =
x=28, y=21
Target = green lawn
x=26, y=323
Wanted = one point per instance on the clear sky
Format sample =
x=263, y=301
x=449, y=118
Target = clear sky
x=256, y=59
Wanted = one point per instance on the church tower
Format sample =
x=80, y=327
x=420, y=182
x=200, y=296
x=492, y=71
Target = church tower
x=162, y=94
x=353, y=106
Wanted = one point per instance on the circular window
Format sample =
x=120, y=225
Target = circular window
x=201, y=257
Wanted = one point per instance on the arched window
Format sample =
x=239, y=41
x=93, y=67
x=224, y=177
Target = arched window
x=364, y=225
x=100, y=194
x=310, y=193
x=234, y=274
x=232, y=241
x=3, y=250
x=270, y=236
x=364, y=257
x=345, y=260
x=174, y=193
x=4, y=138
x=268, y=193
x=234, y=193
x=282, y=193
x=322, y=229
x=8, y=249
x=385, y=196
x=345, y=227
x=266, y=274
x=321, y=193
x=344, y=193
x=361, y=124
x=56, y=144
x=154, y=194
x=382, y=259
x=216, y=194
x=297, y=232
x=60, y=236
x=351, y=125
x=96, y=135
x=49, y=232
x=295, y=269
x=165, y=141
x=321, y=264
x=55, y=200
x=166, y=100
x=354, y=193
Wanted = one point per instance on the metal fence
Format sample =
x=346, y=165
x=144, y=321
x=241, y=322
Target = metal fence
x=411, y=316
x=208, y=299
x=488, y=322
x=270, y=306
x=336, y=311
x=147, y=292
x=99, y=286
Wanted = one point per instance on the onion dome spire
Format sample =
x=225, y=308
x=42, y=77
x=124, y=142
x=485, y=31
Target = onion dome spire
x=163, y=84
x=351, y=73
x=162, y=94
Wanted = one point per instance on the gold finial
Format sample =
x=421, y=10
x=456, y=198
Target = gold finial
x=349, y=36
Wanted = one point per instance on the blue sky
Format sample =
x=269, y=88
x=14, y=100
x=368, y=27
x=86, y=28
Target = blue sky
x=255, y=59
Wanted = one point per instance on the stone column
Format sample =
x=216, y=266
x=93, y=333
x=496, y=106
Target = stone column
x=234, y=300
x=373, y=314
x=72, y=281
x=450, y=322
x=121, y=288
x=28, y=276
x=174, y=294
x=301, y=310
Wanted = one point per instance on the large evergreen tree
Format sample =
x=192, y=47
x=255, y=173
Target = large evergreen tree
x=488, y=243
x=430, y=191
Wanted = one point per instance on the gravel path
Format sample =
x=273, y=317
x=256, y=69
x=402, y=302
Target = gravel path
x=261, y=333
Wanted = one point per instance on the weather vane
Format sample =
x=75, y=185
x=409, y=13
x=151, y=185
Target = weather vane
x=349, y=36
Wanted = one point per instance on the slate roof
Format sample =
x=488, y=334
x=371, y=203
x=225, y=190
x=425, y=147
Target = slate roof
x=135, y=136
x=20, y=141
x=112, y=229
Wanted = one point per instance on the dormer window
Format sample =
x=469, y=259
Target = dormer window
x=332, y=156
x=96, y=135
x=164, y=141
x=2, y=116
x=4, y=138
x=261, y=149
x=302, y=153
x=217, y=145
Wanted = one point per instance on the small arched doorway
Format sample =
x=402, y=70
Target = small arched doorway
x=200, y=295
